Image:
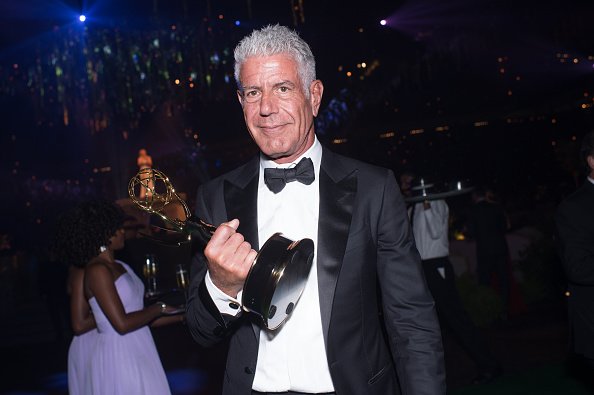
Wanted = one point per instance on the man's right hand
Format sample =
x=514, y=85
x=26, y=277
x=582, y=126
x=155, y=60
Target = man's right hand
x=230, y=258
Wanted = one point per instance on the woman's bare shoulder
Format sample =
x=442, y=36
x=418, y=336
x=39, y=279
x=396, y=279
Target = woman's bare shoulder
x=98, y=266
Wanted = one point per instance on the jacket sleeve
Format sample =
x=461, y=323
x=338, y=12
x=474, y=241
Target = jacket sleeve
x=410, y=318
x=206, y=324
x=576, y=234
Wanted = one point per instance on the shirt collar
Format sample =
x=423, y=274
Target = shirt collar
x=314, y=153
x=591, y=180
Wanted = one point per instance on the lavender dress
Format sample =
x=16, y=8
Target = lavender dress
x=125, y=364
x=79, y=355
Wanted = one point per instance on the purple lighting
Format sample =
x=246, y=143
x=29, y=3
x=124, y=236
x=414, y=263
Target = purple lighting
x=383, y=22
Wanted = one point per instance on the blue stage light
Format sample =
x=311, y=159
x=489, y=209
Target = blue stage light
x=82, y=18
x=237, y=23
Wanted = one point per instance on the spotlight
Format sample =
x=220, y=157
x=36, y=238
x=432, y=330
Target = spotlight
x=82, y=18
x=383, y=22
x=237, y=23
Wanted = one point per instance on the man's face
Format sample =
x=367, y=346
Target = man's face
x=277, y=112
x=405, y=184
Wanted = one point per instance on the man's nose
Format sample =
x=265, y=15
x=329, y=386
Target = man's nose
x=268, y=104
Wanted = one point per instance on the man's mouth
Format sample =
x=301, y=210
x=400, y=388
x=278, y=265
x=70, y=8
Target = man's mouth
x=270, y=128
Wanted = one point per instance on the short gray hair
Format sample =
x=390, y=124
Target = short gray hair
x=273, y=40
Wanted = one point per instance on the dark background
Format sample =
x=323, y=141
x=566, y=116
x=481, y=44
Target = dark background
x=501, y=91
x=496, y=93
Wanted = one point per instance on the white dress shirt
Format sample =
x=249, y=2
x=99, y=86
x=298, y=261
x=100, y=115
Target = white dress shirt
x=293, y=357
x=430, y=228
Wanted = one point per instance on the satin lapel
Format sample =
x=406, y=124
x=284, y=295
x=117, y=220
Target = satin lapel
x=241, y=201
x=338, y=188
x=241, y=197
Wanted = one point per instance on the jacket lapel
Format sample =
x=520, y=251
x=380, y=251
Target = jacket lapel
x=338, y=187
x=588, y=186
x=241, y=194
x=241, y=201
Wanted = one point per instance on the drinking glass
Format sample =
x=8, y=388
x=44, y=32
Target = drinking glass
x=150, y=270
x=181, y=275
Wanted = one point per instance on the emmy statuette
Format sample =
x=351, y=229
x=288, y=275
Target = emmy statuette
x=279, y=272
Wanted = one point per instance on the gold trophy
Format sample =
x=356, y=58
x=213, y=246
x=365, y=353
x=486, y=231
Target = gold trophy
x=279, y=272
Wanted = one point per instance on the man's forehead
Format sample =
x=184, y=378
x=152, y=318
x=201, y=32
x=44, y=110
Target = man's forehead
x=281, y=67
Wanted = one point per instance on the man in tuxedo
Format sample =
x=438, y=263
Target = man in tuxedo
x=365, y=323
x=575, y=226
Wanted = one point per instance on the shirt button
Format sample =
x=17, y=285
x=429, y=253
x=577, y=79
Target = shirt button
x=234, y=305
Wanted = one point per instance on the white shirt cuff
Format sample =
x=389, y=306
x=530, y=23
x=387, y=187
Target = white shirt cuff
x=225, y=303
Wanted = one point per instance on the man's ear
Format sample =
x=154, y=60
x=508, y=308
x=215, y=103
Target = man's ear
x=316, y=90
x=590, y=160
x=240, y=98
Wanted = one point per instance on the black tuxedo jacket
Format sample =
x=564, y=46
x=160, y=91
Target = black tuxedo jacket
x=575, y=226
x=368, y=268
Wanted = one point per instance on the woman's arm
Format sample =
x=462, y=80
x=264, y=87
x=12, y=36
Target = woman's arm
x=100, y=284
x=81, y=318
x=168, y=320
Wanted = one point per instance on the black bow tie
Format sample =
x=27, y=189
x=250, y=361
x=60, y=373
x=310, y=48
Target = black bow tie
x=276, y=179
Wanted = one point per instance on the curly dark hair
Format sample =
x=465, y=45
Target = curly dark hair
x=82, y=230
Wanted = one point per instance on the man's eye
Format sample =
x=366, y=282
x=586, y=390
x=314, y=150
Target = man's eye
x=284, y=89
x=252, y=93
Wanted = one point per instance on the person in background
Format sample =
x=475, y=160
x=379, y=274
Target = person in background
x=135, y=246
x=487, y=225
x=430, y=223
x=575, y=226
x=67, y=250
x=131, y=228
x=365, y=259
x=123, y=358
